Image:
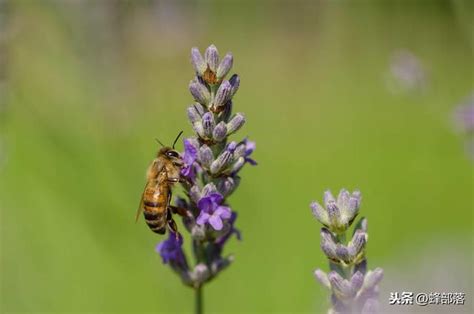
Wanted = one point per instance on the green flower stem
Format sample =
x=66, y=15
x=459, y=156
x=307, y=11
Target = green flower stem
x=198, y=309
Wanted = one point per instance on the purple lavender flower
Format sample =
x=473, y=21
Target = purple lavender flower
x=249, y=149
x=211, y=168
x=212, y=212
x=222, y=240
x=189, y=157
x=171, y=250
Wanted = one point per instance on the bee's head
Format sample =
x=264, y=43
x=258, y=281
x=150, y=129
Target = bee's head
x=172, y=155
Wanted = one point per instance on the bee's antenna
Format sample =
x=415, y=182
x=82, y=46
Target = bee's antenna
x=158, y=141
x=177, y=137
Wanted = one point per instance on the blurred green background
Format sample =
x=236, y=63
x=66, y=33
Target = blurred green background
x=88, y=85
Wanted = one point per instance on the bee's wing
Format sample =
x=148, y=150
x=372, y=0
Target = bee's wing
x=139, y=210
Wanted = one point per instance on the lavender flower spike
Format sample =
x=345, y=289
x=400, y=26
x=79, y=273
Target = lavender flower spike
x=211, y=172
x=353, y=289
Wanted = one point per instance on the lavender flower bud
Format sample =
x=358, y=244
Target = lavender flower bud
x=238, y=165
x=223, y=95
x=193, y=114
x=212, y=57
x=357, y=280
x=195, y=194
x=328, y=244
x=198, y=62
x=372, y=278
x=198, y=232
x=361, y=266
x=222, y=162
x=205, y=156
x=225, y=66
x=328, y=198
x=341, y=287
x=208, y=124
x=320, y=214
x=235, y=83
x=236, y=123
x=239, y=150
x=334, y=214
x=228, y=185
x=200, y=274
x=357, y=244
x=352, y=207
x=322, y=277
x=199, y=91
x=220, y=132
x=220, y=264
x=343, y=199
x=227, y=112
x=199, y=129
x=342, y=253
x=209, y=188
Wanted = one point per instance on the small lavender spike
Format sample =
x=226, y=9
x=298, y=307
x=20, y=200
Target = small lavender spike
x=235, y=123
x=220, y=132
x=198, y=62
x=352, y=285
x=212, y=57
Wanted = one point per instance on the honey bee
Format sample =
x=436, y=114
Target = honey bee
x=162, y=174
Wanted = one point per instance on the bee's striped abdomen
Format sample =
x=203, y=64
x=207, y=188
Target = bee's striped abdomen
x=155, y=203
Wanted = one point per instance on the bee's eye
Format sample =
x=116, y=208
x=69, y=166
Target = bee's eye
x=172, y=154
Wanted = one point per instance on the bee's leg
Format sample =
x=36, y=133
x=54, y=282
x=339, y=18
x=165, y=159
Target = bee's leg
x=173, y=180
x=180, y=180
x=179, y=210
x=172, y=224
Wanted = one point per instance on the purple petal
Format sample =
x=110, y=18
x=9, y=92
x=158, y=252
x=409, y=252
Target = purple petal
x=216, y=222
x=249, y=147
x=223, y=212
x=205, y=204
x=216, y=198
x=190, y=152
x=202, y=218
x=251, y=161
